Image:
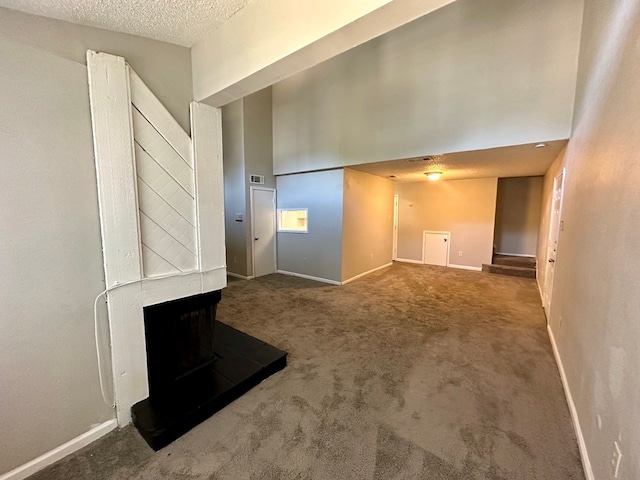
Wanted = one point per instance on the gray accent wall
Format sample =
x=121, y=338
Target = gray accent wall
x=51, y=259
x=518, y=215
x=258, y=152
x=248, y=149
x=367, y=223
x=594, y=316
x=466, y=208
x=319, y=252
x=470, y=76
x=165, y=68
x=235, y=202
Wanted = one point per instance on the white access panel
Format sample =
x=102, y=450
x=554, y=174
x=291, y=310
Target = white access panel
x=435, y=248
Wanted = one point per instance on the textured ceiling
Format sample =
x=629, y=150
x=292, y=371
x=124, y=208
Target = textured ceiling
x=515, y=161
x=182, y=22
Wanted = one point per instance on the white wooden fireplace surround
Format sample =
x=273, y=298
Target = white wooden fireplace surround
x=162, y=221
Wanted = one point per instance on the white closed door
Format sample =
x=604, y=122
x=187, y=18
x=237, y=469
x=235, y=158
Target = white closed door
x=435, y=248
x=394, y=253
x=263, y=221
x=552, y=243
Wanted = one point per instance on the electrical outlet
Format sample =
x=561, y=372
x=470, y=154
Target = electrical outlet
x=560, y=320
x=460, y=253
x=615, y=459
x=235, y=259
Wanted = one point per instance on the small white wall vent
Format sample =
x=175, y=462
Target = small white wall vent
x=257, y=179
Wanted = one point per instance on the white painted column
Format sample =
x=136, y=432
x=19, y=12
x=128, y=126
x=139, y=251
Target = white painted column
x=117, y=196
x=206, y=132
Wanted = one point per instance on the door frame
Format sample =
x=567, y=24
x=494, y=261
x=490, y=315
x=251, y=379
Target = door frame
x=275, y=229
x=394, y=251
x=448, y=234
x=548, y=286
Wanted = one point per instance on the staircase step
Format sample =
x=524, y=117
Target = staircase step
x=525, y=272
x=528, y=262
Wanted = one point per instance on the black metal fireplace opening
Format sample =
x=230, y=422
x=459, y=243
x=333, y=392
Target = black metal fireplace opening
x=196, y=366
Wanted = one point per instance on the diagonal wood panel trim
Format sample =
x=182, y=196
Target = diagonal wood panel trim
x=167, y=247
x=157, y=147
x=167, y=218
x=159, y=117
x=154, y=264
x=140, y=150
x=165, y=185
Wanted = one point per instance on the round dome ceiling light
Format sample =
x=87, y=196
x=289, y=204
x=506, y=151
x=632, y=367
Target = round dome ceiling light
x=433, y=175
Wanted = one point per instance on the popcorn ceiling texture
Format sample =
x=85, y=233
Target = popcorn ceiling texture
x=182, y=22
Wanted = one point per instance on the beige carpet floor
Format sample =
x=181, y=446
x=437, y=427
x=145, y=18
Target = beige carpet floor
x=412, y=372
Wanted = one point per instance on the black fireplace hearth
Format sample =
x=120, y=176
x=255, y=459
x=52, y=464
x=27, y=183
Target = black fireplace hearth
x=196, y=366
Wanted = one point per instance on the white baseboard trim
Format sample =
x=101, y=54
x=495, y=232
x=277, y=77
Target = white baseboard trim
x=367, y=273
x=237, y=275
x=539, y=287
x=586, y=464
x=465, y=267
x=526, y=255
x=407, y=260
x=452, y=265
x=60, y=452
x=308, y=277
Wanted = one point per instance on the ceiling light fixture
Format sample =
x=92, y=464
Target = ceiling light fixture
x=433, y=175
x=540, y=145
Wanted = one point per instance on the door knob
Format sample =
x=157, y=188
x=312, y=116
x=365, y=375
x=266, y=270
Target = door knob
x=257, y=238
x=551, y=260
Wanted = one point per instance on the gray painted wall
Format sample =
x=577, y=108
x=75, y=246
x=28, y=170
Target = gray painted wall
x=165, y=68
x=472, y=75
x=319, y=252
x=248, y=149
x=258, y=151
x=51, y=258
x=466, y=208
x=234, y=187
x=367, y=223
x=594, y=316
x=518, y=215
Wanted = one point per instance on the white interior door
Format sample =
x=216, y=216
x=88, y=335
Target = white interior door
x=263, y=230
x=435, y=248
x=394, y=254
x=552, y=243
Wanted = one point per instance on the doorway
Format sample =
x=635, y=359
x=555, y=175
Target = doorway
x=263, y=230
x=555, y=226
x=394, y=253
x=435, y=248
